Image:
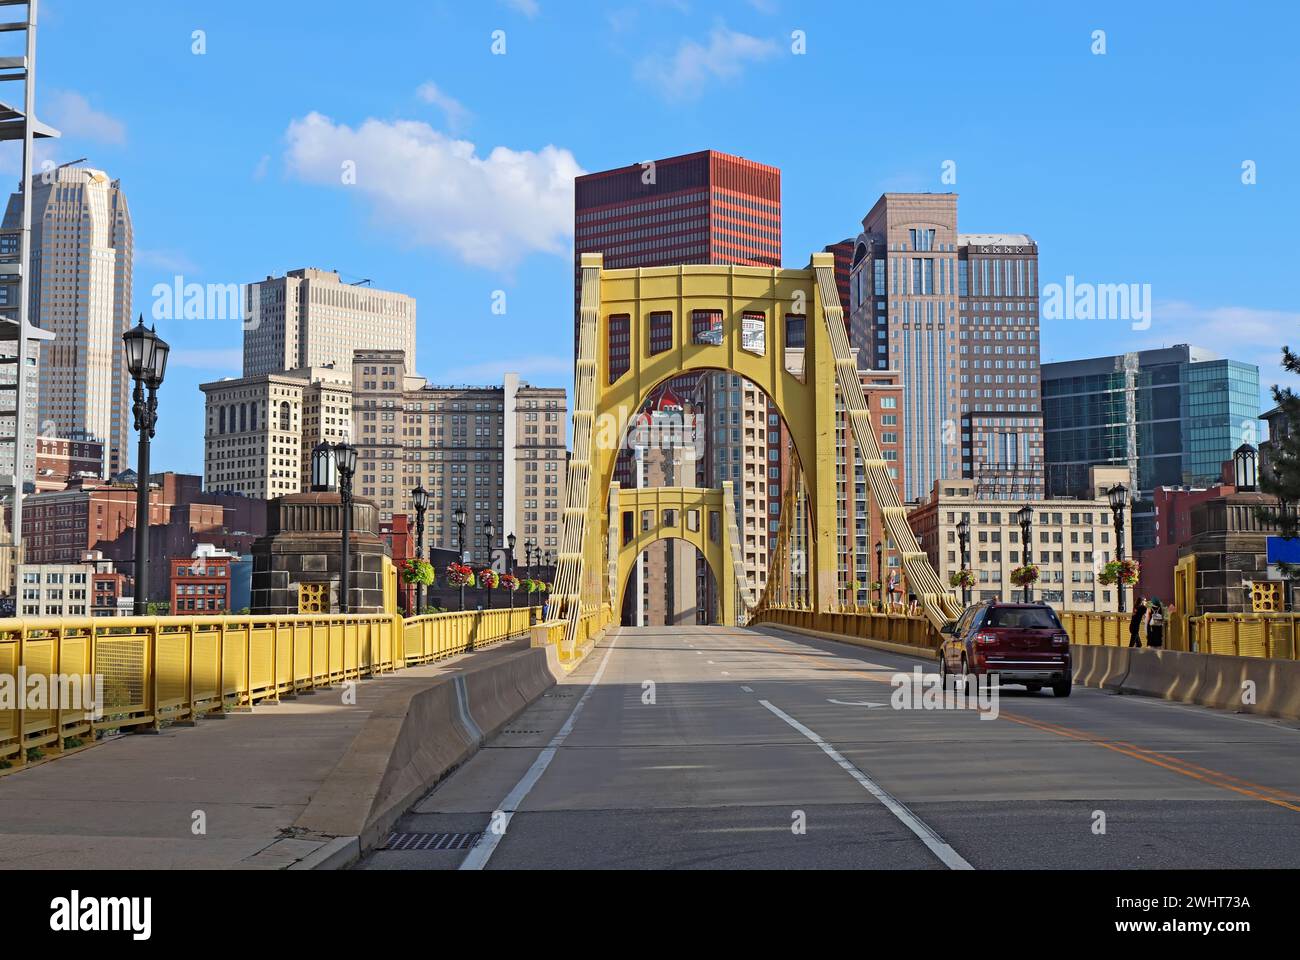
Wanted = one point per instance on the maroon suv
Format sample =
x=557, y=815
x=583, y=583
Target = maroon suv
x=1018, y=642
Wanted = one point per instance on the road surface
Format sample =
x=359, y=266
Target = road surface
x=712, y=747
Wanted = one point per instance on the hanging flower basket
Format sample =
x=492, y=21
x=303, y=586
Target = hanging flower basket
x=509, y=582
x=417, y=573
x=1025, y=576
x=962, y=578
x=487, y=577
x=459, y=575
x=1125, y=572
x=875, y=585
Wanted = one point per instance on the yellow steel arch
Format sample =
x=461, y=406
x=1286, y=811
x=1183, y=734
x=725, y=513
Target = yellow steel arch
x=640, y=517
x=639, y=327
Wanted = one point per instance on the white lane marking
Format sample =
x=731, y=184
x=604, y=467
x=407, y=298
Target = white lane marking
x=937, y=845
x=479, y=855
x=1276, y=723
x=699, y=653
x=725, y=674
x=858, y=703
x=710, y=661
x=747, y=689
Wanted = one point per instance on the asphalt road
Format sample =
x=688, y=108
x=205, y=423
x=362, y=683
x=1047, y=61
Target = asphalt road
x=710, y=747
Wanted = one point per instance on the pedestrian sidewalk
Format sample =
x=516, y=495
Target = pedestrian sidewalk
x=224, y=794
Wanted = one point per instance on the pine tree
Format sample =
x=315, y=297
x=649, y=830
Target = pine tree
x=1282, y=479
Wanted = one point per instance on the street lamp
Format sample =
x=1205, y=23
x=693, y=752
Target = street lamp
x=963, y=539
x=420, y=498
x=345, y=458
x=1245, y=468
x=529, y=545
x=458, y=515
x=146, y=361
x=1025, y=516
x=490, y=529
x=1118, y=496
x=510, y=564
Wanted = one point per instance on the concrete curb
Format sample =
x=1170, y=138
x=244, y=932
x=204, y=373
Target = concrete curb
x=413, y=741
x=339, y=853
x=921, y=653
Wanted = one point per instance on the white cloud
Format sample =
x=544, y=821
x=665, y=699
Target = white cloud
x=491, y=371
x=529, y=8
x=1240, y=333
x=437, y=191
x=73, y=115
x=684, y=74
x=452, y=108
x=263, y=167
x=169, y=261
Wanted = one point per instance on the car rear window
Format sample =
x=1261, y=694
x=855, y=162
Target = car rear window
x=1026, y=618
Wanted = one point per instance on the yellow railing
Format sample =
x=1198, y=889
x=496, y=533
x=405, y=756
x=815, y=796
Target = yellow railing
x=589, y=626
x=437, y=635
x=901, y=628
x=1272, y=635
x=159, y=669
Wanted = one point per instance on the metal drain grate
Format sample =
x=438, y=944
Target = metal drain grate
x=431, y=841
x=522, y=731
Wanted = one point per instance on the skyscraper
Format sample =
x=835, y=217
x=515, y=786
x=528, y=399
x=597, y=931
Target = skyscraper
x=705, y=207
x=1170, y=416
x=957, y=316
x=80, y=290
x=499, y=452
x=310, y=318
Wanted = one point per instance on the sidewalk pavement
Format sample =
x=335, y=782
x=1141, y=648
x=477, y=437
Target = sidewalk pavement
x=224, y=794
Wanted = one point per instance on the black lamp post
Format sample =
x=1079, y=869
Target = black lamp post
x=1118, y=496
x=345, y=458
x=963, y=539
x=420, y=498
x=490, y=531
x=146, y=361
x=510, y=564
x=458, y=515
x=529, y=545
x=880, y=574
x=1025, y=516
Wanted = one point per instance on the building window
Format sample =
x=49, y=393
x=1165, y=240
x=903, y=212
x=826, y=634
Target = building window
x=661, y=332
x=620, y=345
x=706, y=327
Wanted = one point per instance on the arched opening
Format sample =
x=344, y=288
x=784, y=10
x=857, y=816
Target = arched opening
x=669, y=584
x=701, y=429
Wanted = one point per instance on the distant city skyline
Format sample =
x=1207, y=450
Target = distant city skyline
x=461, y=192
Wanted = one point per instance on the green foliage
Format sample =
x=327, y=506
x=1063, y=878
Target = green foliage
x=1282, y=479
x=71, y=742
x=35, y=753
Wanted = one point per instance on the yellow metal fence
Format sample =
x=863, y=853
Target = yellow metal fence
x=1272, y=635
x=160, y=669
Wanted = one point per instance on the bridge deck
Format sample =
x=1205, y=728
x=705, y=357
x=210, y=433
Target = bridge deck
x=713, y=773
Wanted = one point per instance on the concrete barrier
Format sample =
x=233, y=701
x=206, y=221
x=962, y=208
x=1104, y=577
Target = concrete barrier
x=1168, y=674
x=1270, y=687
x=419, y=733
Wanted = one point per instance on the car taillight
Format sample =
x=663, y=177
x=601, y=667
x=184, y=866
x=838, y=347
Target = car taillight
x=984, y=639
x=1061, y=640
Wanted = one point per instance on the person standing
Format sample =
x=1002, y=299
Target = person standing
x=1135, y=622
x=1156, y=625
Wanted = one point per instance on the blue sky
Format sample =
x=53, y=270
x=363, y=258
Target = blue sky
x=1126, y=167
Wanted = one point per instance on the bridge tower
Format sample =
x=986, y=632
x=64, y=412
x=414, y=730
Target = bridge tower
x=784, y=331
